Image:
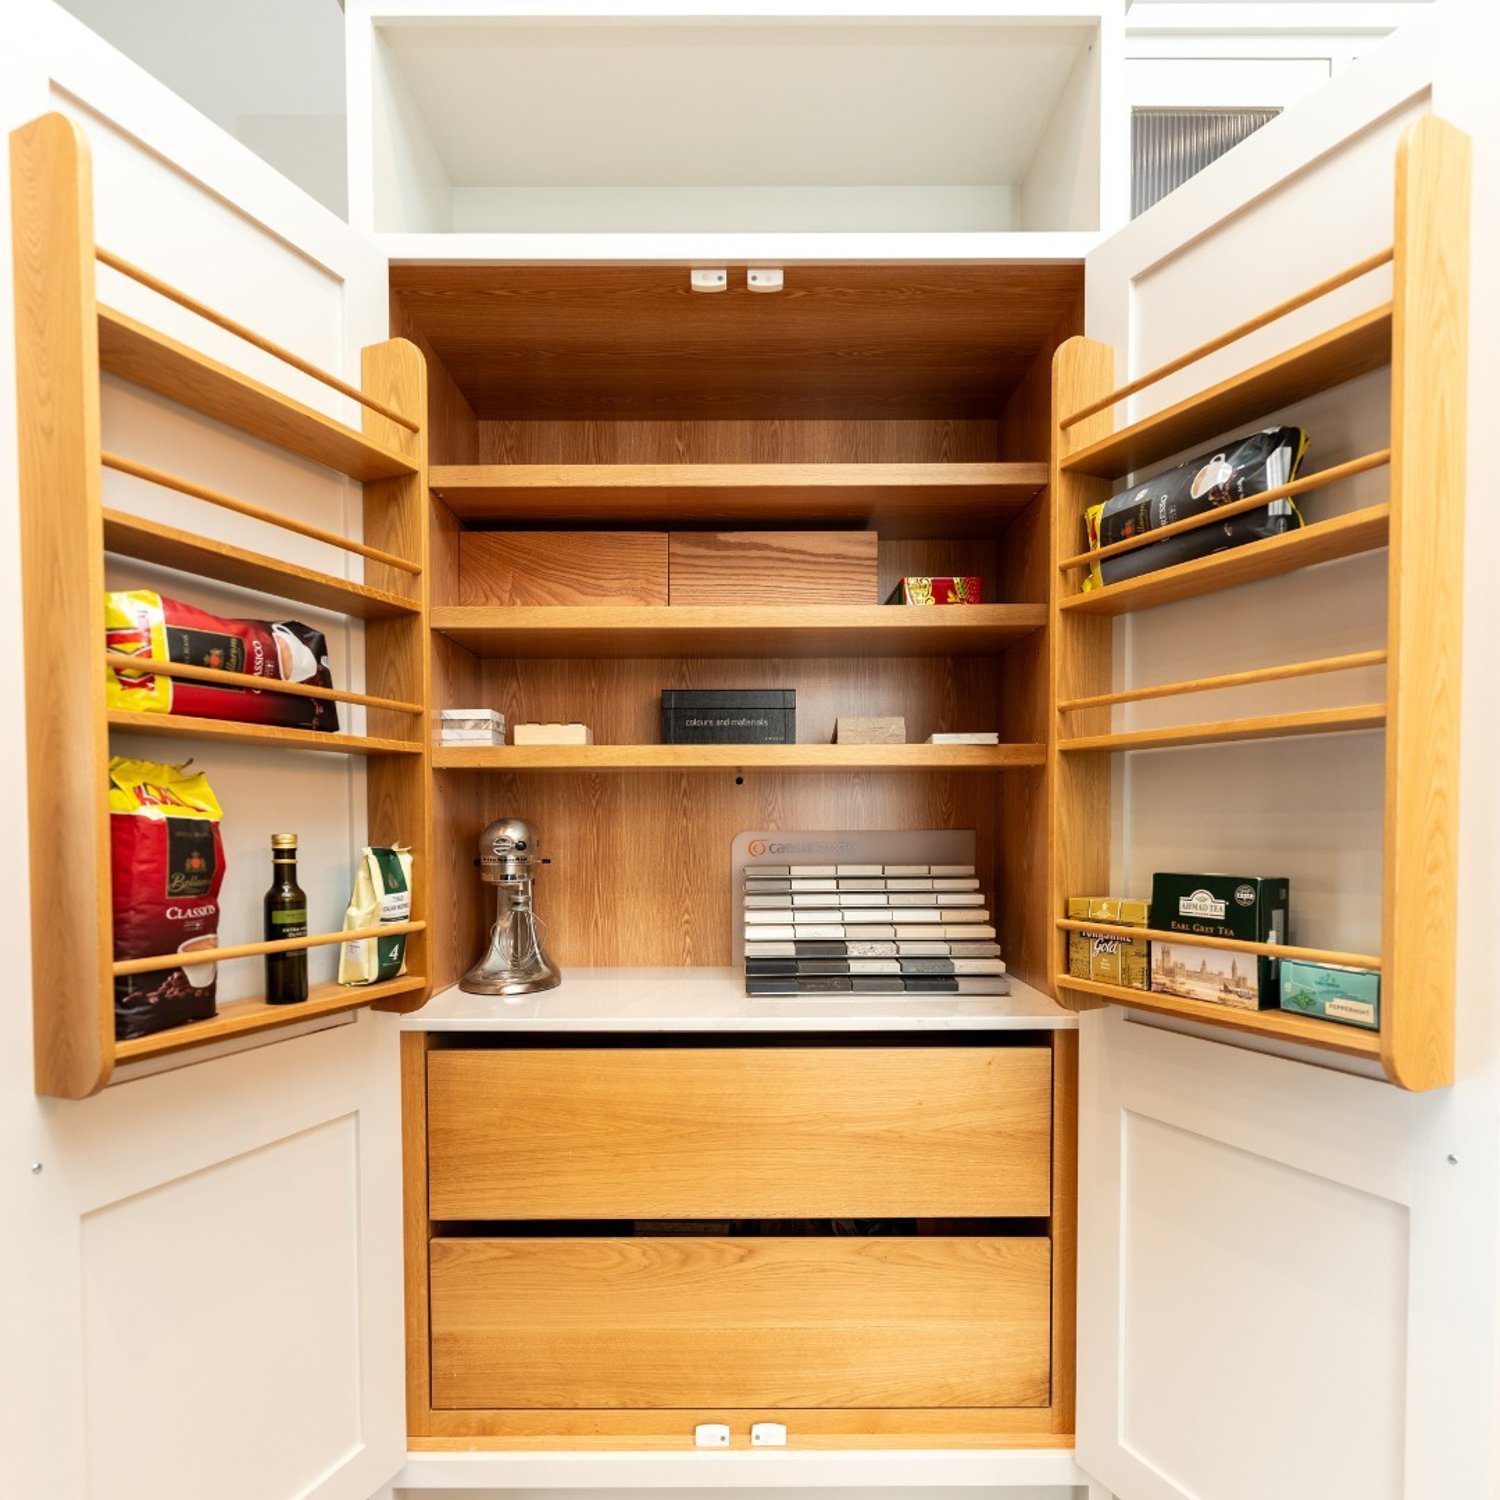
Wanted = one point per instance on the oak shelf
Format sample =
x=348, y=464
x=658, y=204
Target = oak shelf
x=185, y=727
x=1354, y=348
x=169, y=547
x=680, y=630
x=1261, y=727
x=1332, y=1036
x=242, y=1018
x=146, y=357
x=897, y=499
x=844, y=758
x=1363, y=530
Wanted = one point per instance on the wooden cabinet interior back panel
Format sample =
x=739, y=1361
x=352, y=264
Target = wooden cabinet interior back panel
x=562, y=567
x=640, y=864
x=734, y=1323
x=619, y=698
x=773, y=567
x=744, y=1133
x=710, y=441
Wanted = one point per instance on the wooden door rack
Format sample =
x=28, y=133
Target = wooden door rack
x=64, y=341
x=1421, y=334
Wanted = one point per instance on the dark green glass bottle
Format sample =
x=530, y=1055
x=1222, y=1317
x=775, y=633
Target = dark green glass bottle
x=286, y=917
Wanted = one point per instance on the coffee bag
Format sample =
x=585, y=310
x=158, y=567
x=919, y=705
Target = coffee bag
x=166, y=867
x=382, y=893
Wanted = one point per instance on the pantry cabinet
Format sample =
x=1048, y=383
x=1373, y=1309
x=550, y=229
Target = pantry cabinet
x=1076, y=1242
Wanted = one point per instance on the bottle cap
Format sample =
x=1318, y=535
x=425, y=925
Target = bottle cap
x=283, y=840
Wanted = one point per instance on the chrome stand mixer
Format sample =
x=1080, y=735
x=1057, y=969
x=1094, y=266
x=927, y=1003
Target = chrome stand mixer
x=515, y=964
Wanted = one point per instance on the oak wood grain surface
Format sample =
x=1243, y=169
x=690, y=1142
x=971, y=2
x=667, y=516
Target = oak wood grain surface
x=652, y=1322
x=898, y=499
x=1317, y=364
x=398, y=788
x=634, y=341
x=62, y=587
x=757, y=632
x=768, y=568
x=928, y=1132
x=149, y=358
x=562, y=567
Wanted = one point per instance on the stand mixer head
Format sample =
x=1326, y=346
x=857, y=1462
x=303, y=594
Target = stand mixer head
x=515, y=962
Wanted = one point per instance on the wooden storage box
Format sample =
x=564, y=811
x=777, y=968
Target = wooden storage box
x=562, y=567
x=684, y=1322
x=740, y=1132
x=774, y=567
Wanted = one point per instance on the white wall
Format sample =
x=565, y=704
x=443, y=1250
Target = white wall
x=271, y=72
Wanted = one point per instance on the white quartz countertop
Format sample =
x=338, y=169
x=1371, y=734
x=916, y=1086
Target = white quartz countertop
x=713, y=1000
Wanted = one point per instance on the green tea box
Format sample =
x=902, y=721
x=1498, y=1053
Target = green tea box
x=1331, y=992
x=1249, y=907
x=1106, y=957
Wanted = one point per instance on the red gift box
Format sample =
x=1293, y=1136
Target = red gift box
x=939, y=591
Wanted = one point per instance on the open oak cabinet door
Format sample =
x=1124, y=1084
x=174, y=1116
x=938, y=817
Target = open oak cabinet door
x=202, y=1291
x=1286, y=1271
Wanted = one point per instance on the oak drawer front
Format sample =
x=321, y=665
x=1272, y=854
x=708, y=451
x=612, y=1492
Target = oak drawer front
x=771, y=1132
x=725, y=1323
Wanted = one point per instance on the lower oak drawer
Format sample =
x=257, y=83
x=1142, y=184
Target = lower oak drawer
x=890, y=1321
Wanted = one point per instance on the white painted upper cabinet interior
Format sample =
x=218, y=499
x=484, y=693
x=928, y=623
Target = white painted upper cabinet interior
x=202, y=1290
x=500, y=134
x=1287, y=1277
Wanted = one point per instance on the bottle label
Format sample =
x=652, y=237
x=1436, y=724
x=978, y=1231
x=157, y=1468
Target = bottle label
x=294, y=922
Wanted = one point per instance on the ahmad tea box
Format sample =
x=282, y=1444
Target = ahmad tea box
x=1106, y=957
x=1249, y=907
x=1331, y=991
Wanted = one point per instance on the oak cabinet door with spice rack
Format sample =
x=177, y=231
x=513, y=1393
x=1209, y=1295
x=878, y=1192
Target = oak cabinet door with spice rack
x=1271, y=1203
x=207, y=1251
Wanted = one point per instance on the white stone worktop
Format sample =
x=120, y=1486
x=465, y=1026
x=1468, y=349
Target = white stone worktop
x=713, y=1000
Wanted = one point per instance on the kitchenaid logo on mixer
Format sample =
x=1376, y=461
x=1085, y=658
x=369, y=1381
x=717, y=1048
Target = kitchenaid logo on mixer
x=759, y=847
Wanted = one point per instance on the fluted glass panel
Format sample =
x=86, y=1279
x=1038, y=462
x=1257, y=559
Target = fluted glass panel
x=1170, y=145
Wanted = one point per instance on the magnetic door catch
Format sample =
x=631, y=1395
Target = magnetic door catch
x=711, y=1435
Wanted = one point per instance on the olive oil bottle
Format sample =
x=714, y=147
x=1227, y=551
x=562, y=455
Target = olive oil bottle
x=286, y=917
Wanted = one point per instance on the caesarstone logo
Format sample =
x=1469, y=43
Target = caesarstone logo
x=761, y=847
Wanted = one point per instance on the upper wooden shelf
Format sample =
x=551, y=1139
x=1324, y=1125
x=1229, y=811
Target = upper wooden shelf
x=170, y=547
x=677, y=630
x=844, y=758
x=1343, y=536
x=1362, y=716
x=242, y=1018
x=1353, y=348
x=146, y=357
x=896, y=499
x=186, y=727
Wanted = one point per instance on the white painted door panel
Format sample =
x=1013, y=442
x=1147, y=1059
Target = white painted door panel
x=201, y=1287
x=1287, y=1278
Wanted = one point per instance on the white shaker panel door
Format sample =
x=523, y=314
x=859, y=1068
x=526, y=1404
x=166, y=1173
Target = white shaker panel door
x=201, y=1288
x=1287, y=1268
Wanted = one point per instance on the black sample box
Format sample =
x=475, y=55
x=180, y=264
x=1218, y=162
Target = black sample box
x=729, y=716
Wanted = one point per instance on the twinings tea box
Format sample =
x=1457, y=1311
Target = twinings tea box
x=1104, y=957
x=1332, y=992
x=1249, y=907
